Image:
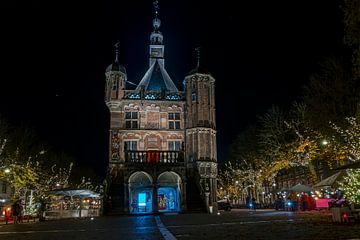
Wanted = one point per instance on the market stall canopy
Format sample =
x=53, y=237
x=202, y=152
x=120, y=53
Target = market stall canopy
x=300, y=188
x=71, y=192
x=331, y=181
x=354, y=165
x=278, y=190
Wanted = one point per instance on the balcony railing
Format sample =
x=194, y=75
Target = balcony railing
x=154, y=157
x=154, y=95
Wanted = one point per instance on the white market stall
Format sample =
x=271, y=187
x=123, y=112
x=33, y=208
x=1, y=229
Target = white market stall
x=73, y=203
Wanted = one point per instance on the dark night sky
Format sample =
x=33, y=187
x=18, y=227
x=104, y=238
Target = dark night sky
x=53, y=60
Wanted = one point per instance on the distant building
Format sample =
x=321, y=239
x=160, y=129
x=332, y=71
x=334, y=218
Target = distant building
x=163, y=155
x=5, y=195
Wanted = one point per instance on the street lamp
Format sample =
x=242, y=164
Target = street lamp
x=237, y=191
x=325, y=142
x=7, y=170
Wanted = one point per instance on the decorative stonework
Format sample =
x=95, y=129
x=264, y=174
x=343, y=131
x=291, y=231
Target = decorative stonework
x=163, y=130
x=207, y=169
x=115, y=146
x=113, y=105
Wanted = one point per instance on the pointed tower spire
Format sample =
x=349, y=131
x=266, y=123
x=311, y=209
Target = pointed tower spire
x=117, y=52
x=198, y=68
x=156, y=8
x=156, y=77
x=198, y=56
x=116, y=66
x=156, y=38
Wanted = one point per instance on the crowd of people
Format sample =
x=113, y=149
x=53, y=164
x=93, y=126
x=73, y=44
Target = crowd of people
x=293, y=202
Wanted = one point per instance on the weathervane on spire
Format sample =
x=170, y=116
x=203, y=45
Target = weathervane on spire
x=156, y=7
x=197, y=49
x=117, y=52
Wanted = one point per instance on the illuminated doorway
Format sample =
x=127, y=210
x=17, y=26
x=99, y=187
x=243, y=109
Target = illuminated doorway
x=169, y=192
x=140, y=193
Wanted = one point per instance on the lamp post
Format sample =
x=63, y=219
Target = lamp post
x=236, y=191
x=324, y=142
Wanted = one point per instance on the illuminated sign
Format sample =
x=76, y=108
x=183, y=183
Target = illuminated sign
x=142, y=199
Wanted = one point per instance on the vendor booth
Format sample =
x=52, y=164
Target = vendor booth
x=73, y=203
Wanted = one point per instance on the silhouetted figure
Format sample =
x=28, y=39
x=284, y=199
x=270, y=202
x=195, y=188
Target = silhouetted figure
x=16, y=212
x=253, y=203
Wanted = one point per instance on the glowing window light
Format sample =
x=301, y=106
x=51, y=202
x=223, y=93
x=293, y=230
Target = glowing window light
x=142, y=199
x=134, y=96
x=172, y=97
x=150, y=96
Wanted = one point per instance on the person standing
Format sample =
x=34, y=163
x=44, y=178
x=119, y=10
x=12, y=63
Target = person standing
x=247, y=201
x=253, y=202
x=7, y=214
x=15, y=212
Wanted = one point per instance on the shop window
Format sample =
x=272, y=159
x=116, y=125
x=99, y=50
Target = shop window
x=168, y=200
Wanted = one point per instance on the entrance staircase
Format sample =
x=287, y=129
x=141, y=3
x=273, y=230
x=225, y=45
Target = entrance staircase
x=195, y=202
x=115, y=205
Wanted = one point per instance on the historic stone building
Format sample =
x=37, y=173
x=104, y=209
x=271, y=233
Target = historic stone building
x=163, y=155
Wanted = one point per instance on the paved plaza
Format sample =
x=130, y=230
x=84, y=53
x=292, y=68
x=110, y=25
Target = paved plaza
x=237, y=224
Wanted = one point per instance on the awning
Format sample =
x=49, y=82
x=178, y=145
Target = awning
x=331, y=181
x=300, y=188
x=349, y=166
x=82, y=193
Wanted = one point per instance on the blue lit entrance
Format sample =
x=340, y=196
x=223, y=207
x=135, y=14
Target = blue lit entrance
x=140, y=193
x=168, y=199
x=168, y=192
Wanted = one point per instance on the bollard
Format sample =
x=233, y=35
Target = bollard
x=210, y=209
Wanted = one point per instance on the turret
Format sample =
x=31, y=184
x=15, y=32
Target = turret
x=115, y=79
x=201, y=151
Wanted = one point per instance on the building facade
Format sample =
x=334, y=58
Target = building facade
x=5, y=197
x=162, y=151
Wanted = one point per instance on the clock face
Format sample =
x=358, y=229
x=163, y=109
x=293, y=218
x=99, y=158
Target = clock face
x=156, y=52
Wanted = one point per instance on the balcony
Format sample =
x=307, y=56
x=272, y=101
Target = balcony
x=154, y=157
x=154, y=95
